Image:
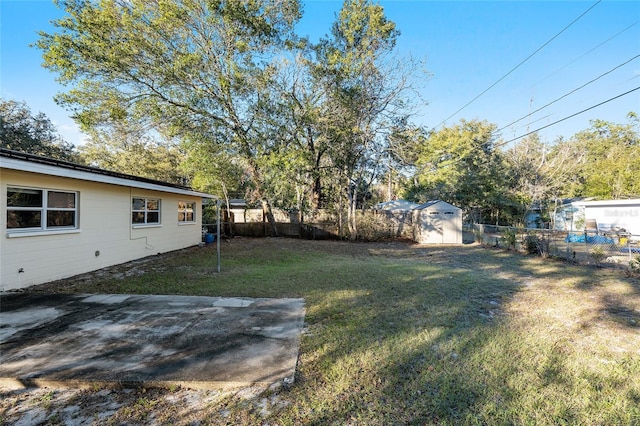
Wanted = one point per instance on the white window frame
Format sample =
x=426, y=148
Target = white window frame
x=145, y=211
x=185, y=207
x=44, y=210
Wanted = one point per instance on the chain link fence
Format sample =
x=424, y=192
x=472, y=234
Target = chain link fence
x=603, y=249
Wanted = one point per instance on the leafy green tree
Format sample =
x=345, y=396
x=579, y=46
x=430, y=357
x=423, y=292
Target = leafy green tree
x=366, y=88
x=132, y=151
x=460, y=164
x=212, y=169
x=290, y=162
x=403, y=144
x=301, y=156
x=22, y=131
x=612, y=159
x=184, y=68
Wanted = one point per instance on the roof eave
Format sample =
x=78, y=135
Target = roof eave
x=93, y=175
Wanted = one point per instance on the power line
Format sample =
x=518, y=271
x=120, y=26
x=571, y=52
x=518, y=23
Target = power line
x=568, y=117
x=569, y=93
x=530, y=123
x=501, y=144
x=583, y=55
x=522, y=62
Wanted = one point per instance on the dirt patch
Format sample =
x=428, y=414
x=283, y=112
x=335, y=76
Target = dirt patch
x=123, y=406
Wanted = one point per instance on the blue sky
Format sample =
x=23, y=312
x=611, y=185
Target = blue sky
x=467, y=47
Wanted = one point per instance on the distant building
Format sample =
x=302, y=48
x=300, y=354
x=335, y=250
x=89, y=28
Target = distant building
x=399, y=214
x=612, y=215
x=396, y=205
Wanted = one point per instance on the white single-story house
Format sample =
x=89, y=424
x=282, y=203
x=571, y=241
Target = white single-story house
x=437, y=222
x=611, y=215
x=60, y=219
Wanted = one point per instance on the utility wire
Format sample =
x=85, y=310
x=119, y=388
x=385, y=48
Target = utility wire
x=585, y=54
x=522, y=62
x=532, y=122
x=569, y=93
x=501, y=144
x=568, y=117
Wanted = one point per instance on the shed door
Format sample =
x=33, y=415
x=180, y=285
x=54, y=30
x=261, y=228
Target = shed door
x=450, y=228
x=432, y=228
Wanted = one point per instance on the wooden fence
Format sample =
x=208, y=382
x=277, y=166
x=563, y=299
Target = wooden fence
x=310, y=231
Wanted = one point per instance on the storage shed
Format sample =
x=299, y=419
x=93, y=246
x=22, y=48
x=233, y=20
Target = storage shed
x=437, y=222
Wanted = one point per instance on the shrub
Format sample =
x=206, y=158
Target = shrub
x=374, y=228
x=535, y=244
x=531, y=244
x=634, y=264
x=509, y=236
x=598, y=254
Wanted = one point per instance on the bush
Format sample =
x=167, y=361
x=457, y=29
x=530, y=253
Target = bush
x=509, y=236
x=535, y=244
x=531, y=244
x=598, y=254
x=374, y=228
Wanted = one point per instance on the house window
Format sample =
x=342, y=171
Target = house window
x=186, y=211
x=41, y=209
x=145, y=211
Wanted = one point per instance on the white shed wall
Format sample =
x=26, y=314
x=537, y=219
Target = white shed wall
x=104, y=226
x=440, y=223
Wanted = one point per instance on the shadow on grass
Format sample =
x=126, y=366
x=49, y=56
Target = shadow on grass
x=431, y=344
x=404, y=334
x=375, y=340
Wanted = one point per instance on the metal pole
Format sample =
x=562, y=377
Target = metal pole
x=218, y=231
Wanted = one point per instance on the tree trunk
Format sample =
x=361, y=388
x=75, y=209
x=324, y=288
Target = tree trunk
x=340, y=216
x=352, y=195
x=266, y=206
x=299, y=201
x=316, y=194
x=268, y=213
x=226, y=200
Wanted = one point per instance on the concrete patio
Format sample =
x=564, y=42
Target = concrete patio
x=146, y=340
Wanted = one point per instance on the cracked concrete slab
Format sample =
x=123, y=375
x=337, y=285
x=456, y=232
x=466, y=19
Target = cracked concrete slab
x=145, y=340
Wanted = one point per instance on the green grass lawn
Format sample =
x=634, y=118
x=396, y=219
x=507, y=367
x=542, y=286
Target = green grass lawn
x=403, y=334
